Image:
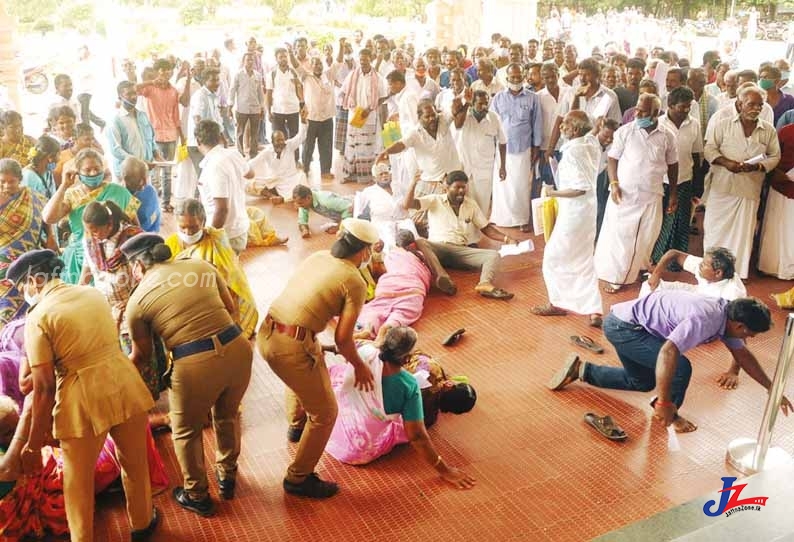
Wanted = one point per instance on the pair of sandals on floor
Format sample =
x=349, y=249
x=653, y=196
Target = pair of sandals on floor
x=596, y=320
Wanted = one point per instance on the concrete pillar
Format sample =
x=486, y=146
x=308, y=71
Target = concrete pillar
x=516, y=19
x=10, y=70
x=454, y=22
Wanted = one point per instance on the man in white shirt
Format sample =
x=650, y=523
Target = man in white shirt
x=420, y=83
x=382, y=206
x=204, y=105
x=642, y=152
x=730, y=108
x=222, y=185
x=487, y=81
x=674, y=233
x=318, y=92
x=457, y=84
x=733, y=147
x=64, y=95
x=479, y=136
x=550, y=97
x=284, y=96
x=715, y=273
x=275, y=172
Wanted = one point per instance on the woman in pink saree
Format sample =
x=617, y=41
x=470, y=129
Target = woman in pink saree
x=370, y=424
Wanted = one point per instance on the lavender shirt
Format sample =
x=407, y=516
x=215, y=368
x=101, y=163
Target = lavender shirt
x=685, y=318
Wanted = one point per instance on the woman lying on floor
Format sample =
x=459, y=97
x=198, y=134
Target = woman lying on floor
x=370, y=424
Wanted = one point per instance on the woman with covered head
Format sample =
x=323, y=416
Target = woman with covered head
x=194, y=239
x=39, y=173
x=14, y=143
x=371, y=423
x=87, y=183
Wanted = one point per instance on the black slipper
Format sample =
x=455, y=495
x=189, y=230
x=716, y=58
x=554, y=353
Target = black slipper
x=454, y=337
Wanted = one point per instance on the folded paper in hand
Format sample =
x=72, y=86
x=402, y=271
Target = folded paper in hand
x=755, y=159
x=515, y=250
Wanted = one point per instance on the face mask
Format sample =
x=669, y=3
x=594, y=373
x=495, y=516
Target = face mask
x=190, y=239
x=51, y=166
x=127, y=103
x=365, y=263
x=766, y=84
x=515, y=87
x=92, y=181
x=784, y=76
x=31, y=300
x=646, y=122
x=479, y=115
x=348, y=58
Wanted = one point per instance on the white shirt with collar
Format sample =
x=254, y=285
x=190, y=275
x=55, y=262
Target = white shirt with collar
x=72, y=103
x=222, y=172
x=444, y=226
x=494, y=88
x=690, y=141
x=429, y=90
x=478, y=141
x=437, y=156
x=283, y=84
x=550, y=108
x=205, y=105
x=318, y=93
x=728, y=109
x=642, y=160
x=603, y=103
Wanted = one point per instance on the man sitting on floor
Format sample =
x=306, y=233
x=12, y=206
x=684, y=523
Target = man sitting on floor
x=328, y=204
x=651, y=335
x=276, y=173
x=449, y=216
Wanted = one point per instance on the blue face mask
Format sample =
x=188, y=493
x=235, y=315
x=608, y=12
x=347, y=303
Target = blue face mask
x=92, y=181
x=646, y=122
x=51, y=166
x=128, y=103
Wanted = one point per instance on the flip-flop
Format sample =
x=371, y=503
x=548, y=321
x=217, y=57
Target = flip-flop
x=606, y=426
x=548, y=310
x=586, y=342
x=454, y=337
x=496, y=293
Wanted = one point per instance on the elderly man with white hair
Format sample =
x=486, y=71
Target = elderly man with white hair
x=135, y=176
x=642, y=152
x=568, y=269
x=741, y=150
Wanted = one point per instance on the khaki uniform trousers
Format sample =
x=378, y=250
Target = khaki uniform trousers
x=79, y=461
x=215, y=380
x=300, y=364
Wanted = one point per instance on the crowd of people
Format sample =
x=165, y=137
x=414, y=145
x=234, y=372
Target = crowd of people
x=445, y=147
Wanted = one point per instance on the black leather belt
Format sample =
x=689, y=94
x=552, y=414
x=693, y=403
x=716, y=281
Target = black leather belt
x=205, y=345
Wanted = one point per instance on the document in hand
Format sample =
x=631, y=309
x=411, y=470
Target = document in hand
x=755, y=159
x=519, y=248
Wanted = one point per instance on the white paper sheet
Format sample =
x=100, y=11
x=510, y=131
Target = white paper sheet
x=520, y=248
x=756, y=159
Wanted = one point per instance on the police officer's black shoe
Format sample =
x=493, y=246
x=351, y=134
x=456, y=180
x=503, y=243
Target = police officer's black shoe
x=312, y=487
x=144, y=534
x=226, y=487
x=205, y=507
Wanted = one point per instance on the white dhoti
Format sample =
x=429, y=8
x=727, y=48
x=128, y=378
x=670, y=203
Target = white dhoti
x=628, y=235
x=403, y=169
x=730, y=223
x=511, y=197
x=776, y=255
x=186, y=181
x=568, y=268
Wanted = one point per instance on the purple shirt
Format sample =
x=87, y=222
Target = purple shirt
x=684, y=318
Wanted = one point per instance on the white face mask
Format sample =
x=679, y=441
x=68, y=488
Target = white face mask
x=515, y=87
x=31, y=300
x=348, y=58
x=190, y=239
x=364, y=263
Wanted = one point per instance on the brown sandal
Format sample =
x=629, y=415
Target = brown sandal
x=548, y=310
x=606, y=426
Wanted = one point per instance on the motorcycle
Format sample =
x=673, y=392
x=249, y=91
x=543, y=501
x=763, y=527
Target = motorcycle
x=36, y=81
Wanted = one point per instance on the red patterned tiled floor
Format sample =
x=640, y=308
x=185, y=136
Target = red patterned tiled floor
x=542, y=474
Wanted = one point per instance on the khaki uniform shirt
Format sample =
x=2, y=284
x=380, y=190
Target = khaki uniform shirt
x=444, y=226
x=321, y=287
x=180, y=302
x=97, y=387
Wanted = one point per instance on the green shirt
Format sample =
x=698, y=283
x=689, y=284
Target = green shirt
x=401, y=396
x=328, y=204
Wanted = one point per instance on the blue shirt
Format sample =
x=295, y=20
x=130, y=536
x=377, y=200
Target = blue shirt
x=43, y=185
x=149, y=214
x=401, y=396
x=443, y=79
x=119, y=140
x=521, y=119
x=684, y=318
x=785, y=119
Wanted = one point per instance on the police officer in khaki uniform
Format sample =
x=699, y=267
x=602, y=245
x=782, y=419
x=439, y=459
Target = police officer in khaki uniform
x=325, y=285
x=83, y=388
x=187, y=303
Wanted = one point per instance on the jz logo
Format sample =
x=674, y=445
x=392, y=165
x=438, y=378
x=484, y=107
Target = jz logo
x=730, y=502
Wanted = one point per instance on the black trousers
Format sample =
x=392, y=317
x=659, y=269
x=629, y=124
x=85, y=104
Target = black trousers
x=287, y=124
x=323, y=133
x=252, y=121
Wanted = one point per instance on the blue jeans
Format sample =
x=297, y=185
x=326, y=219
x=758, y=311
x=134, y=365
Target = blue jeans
x=168, y=150
x=638, y=351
